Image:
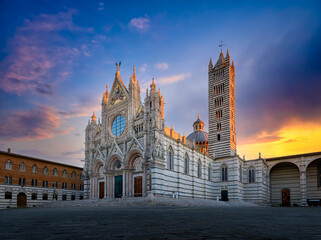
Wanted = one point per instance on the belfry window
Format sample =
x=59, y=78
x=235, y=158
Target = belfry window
x=218, y=137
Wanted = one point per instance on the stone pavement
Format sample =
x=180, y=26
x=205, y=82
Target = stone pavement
x=160, y=222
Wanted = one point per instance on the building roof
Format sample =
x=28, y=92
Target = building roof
x=38, y=159
x=198, y=136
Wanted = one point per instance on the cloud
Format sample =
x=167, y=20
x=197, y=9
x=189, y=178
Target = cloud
x=143, y=67
x=284, y=84
x=140, y=24
x=39, y=123
x=83, y=108
x=161, y=66
x=82, y=150
x=38, y=56
x=173, y=78
x=101, y=6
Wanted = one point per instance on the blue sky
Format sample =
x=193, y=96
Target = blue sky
x=57, y=56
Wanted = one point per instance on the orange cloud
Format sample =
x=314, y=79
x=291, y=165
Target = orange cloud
x=295, y=138
x=40, y=123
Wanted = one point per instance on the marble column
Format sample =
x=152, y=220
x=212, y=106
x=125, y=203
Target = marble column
x=303, y=188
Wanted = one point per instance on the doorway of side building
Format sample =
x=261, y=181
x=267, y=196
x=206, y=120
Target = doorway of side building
x=22, y=200
x=138, y=186
x=118, y=186
x=285, y=197
x=224, y=195
x=101, y=189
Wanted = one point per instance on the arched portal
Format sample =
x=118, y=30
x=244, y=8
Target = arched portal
x=21, y=200
x=98, y=179
x=313, y=182
x=285, y=184
x=134, y=175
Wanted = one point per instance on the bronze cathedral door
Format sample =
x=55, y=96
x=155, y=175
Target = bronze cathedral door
x=101, y=189
x=138, y=182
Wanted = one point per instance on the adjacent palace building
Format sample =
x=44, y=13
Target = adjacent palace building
x=27, y=181
x=131, y=152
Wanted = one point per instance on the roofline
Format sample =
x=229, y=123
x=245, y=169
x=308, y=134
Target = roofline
x=297, y=155
x=37, y=159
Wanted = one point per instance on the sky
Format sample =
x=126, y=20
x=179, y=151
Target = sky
x=56, y=58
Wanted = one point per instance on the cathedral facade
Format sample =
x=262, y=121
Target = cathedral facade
x=131, y=153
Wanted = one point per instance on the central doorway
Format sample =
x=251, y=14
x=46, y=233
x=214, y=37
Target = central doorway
x=118, y=186
x=22, y=200
x=138, y=186
x=101, y=189
x=285, y=197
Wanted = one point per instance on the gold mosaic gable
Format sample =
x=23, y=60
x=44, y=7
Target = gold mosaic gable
x=140, y=112
x=117, y=95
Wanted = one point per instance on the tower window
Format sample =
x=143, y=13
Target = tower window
x=218, y=137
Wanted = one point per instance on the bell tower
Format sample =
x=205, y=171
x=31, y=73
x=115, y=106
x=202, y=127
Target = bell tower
x=221, y=107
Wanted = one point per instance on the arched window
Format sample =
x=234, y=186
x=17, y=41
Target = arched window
x=34, y=196
x=22, y=167
x=251, y=175
x=8, y=165
x=170, y=159
x=64, y=173
x=45, y=171
x=209, y=175
x=186, y=165
x=73, y=175
x=34, y=168
x=8, y=195
x=199, y=169
x=224, y=176
x=55, y=172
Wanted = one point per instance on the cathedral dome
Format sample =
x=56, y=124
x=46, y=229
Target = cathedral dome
x=198, y=136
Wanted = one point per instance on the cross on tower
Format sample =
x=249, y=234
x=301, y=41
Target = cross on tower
x=221, y=45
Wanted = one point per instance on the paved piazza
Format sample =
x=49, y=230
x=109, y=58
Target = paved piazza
x=160, y=222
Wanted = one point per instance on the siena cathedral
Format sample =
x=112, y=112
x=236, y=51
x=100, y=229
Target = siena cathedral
x=132, y=153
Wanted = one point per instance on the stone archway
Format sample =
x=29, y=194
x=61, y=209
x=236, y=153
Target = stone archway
x=313, y=182
x=285, y=184
x=21, y=200
x=134, y=174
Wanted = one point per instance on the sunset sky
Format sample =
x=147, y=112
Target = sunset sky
x=57, y=56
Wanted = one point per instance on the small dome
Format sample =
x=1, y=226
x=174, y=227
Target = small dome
x=198, y=125
x=198, y=136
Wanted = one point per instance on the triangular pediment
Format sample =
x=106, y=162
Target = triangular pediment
x=135, y=144
x=115, y=149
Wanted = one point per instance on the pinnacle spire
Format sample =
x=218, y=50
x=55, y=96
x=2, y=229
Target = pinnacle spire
x=227, y=54
x=210, y=62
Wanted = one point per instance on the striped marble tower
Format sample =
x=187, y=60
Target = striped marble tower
x=221, y=107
